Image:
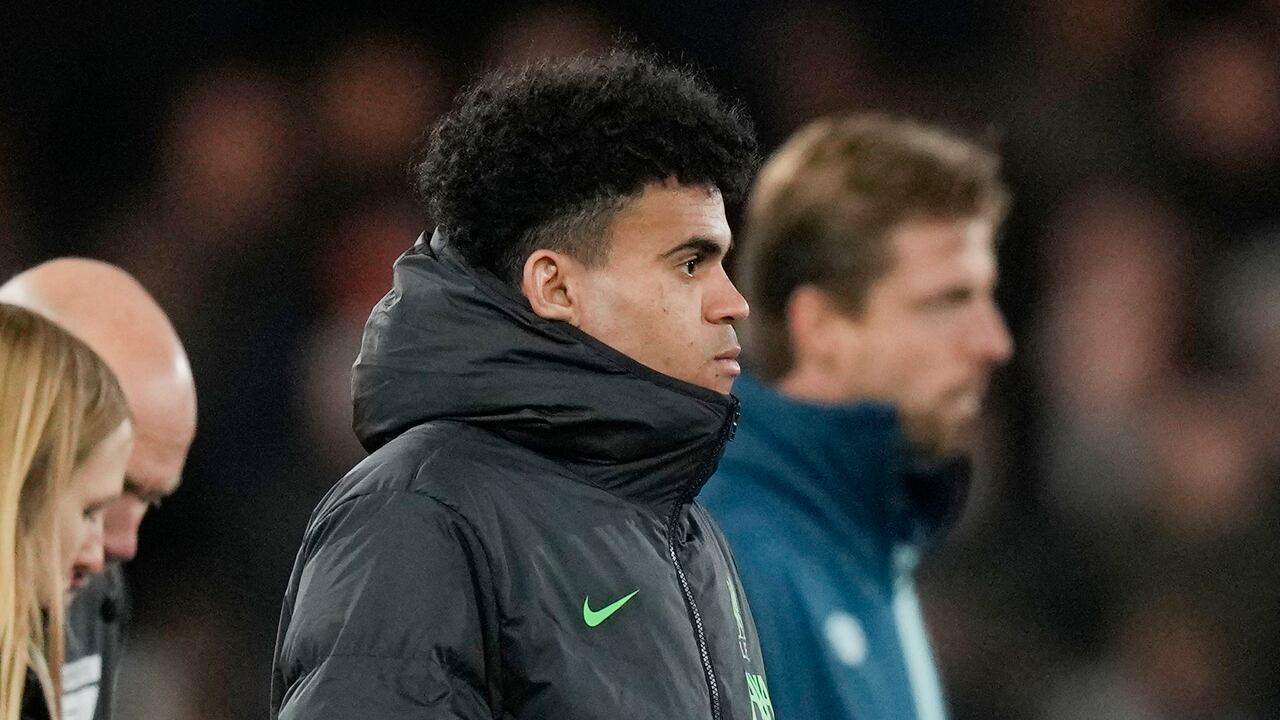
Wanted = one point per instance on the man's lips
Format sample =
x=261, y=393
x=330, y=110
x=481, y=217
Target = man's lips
x=728, y=361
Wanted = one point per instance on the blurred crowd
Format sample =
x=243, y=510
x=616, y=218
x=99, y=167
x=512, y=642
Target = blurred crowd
x=1118, y=555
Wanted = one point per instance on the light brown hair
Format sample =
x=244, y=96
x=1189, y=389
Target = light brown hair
x=58, y=401
x=824, y=205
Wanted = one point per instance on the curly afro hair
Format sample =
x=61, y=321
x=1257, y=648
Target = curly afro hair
x=542, y=156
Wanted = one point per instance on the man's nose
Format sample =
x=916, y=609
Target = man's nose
x=92, y=555
x=123, y=518
x=724, y=304
x=994, y=342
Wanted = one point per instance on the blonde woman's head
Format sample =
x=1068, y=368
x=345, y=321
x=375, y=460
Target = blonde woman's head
x=65, y=437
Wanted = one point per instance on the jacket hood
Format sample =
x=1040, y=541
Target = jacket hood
x=450, y=342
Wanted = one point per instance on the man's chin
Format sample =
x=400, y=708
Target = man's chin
x=938, y=440
x=720, y=383
x=724, y=388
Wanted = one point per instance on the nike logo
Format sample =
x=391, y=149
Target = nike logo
x=594, y=617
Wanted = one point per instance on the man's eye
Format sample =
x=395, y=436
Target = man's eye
x=149, y=498
x=951, y=298
x=691, y=266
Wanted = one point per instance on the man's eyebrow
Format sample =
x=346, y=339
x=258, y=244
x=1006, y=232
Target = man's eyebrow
x=132, y=487
x=702, y=244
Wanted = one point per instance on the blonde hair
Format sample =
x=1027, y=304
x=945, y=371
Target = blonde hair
x=58, y=401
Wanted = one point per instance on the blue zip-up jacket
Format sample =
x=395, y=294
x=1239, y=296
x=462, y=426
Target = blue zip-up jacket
x=827, y=515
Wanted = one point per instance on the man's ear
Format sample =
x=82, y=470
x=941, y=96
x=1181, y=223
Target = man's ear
x=546, y=284
x=821, y=333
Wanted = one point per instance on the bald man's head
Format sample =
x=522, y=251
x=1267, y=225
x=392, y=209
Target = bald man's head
x=113, y=314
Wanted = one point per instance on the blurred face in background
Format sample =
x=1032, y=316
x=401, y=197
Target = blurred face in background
x=153, y=473
x=81, y=509
x=928, y=334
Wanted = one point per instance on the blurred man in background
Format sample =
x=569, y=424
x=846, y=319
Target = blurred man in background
x=107, y=309
x=544, y=391
x=869, y=259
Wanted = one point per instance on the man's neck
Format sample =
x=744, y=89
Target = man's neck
x=811, y=386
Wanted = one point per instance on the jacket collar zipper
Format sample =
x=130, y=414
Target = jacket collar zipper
x=727, y=431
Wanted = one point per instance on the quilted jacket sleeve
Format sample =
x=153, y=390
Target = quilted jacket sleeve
x=388, y=615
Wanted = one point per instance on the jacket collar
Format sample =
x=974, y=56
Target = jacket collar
x=850, y=464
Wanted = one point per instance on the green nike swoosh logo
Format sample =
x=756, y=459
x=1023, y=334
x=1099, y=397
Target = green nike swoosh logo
x=594, y=617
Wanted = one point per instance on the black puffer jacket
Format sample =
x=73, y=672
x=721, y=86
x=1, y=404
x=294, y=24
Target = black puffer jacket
x=522, y=542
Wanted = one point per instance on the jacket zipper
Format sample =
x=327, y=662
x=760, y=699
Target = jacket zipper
x=727, y=431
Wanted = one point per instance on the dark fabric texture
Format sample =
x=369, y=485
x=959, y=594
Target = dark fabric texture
x=828, y=513
x=33, y=704
x=97, y=622
x=523, y=476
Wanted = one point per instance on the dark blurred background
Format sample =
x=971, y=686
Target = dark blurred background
x=1118, y=559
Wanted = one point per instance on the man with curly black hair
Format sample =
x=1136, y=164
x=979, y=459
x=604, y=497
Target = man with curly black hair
x=544, y=391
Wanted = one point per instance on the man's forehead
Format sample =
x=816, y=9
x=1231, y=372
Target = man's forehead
x=939, y=242
x=667, y=215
